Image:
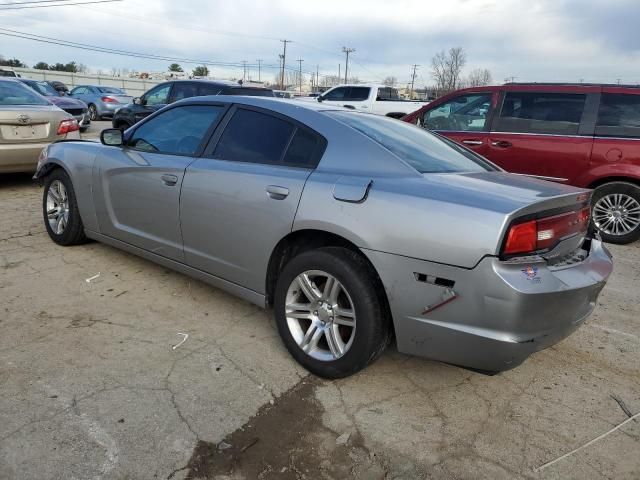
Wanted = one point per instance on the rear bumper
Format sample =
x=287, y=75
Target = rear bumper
x=108, y=109
x=502, y=311
x=20, y=157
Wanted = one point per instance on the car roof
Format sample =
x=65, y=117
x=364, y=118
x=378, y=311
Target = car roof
x=272, y=103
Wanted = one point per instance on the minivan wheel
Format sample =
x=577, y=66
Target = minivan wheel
x=93, y=112
x=616, y=212
x=330, y=312
x=60, y=209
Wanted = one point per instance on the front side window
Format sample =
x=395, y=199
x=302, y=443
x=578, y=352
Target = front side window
x=43, y=88
x=179, y=130
x=358, y=94
x=618, y=116
x=460, y=114
x=254, y=137
x=158, y=96
x=424, y=151
x=537, y=112
x=336, y=94
x=15, y=93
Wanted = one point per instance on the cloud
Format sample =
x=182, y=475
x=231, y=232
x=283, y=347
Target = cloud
x=541, y=40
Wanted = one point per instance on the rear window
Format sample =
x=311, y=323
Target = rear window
x=249, y=92
x=618, y=116
x=117, y=91
x=14, y=93
x=421, y=149
x=538, y=112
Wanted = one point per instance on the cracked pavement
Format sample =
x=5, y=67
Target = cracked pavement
x=91, y=387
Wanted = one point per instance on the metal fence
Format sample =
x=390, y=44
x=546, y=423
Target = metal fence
x=133, y=86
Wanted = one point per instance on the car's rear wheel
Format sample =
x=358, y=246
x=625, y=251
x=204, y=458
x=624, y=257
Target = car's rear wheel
x=331, y=312
x=616, y=212
x=60, y=209
x=93, y=112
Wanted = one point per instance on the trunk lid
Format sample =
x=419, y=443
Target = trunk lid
x=30, y=123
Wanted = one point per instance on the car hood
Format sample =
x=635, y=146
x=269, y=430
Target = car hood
x=67, y=102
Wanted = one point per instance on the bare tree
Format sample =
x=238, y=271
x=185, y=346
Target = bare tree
x=446, y=68
x=479, y=77
x=390, y=81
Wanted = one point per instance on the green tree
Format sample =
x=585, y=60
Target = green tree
x=41, y=66
x=12, y=62
x=175, y=67
x=202, y=71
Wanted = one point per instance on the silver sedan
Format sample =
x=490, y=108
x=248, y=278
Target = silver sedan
x=356, y=229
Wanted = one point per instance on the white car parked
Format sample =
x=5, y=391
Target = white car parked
x=378, y=99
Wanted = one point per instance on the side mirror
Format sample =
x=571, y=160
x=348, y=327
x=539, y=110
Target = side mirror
x=112, y=137
x=138, y=101
x=320, y=98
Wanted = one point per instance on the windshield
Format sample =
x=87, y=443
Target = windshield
x=15, y=93
x=422, y=150
x=117, y=91
x=43, y=88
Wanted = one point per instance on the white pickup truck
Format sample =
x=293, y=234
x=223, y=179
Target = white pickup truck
x=378, y=99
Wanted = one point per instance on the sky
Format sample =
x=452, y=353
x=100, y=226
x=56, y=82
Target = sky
x=535, y=40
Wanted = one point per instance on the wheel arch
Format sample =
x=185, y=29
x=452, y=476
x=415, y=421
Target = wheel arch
x=604, y=180
x=47, y=168
x=303, y=240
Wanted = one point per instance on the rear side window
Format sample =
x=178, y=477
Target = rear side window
x=305, y=149
x=358, y=94
x=254, y=137
x=184, y=90
x=387, y=93
x=179, y=130
x=208, y=89
x=618, y=116
x=537, y=112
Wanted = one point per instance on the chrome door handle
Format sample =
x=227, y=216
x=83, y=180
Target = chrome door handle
x=501, y=144
x=472, y=142
x=169, y=180
x=276, y=192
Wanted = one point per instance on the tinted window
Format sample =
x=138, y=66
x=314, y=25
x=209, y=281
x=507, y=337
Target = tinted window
x=305, y=149
x=249, y=92
x=464, y=113
x=158, y=96
x=184, y=90
x=336, y=94
x=15, y=93
x=254, y=137
x=358, y=94
x=533, y=112
x=619, y=115
x=115, y=90
x=208, y=89
x=422, y=150
x=43, y=88
x=179, y=130
x=387, y=93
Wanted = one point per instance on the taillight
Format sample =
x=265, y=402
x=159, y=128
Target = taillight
x=69, y=125
x=109, y=100
x=545, y=233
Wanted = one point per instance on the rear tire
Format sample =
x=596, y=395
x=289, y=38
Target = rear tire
x=60, y=210
x=360, y=294
x=616, y=212
x=93, y=113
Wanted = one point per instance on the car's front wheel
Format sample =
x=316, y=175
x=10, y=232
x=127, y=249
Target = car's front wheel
x=60, y=209
x=616, y=212
x=330, y=311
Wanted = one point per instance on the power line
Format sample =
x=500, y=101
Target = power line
x=30, y=2
x=57, y=5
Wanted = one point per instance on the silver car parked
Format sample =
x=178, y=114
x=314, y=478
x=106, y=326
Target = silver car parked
x=353, y=227
x=102, y=101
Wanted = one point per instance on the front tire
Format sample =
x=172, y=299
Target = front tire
x=331, y=312
x=60, y=210
x=616, y=212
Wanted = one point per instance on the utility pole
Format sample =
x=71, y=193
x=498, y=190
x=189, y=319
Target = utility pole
x=413, y=79
x=346, y=65
x=317, y=77
x=284, y=59
x=259, y=63
x=300, y=73
x=339, y=73
x=244, y=70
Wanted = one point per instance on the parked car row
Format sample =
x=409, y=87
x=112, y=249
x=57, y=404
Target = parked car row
x=354, y=228
x=582, y=135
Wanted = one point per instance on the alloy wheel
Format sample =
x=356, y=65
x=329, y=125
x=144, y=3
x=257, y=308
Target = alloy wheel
x=320, y=315
x=57, y=207
x=616, y=214
x=93, y=113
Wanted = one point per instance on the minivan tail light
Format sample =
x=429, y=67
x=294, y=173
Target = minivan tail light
x=543, y=234
x=109, y=100
x=69, y=125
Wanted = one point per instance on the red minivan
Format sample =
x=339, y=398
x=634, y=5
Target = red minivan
x=579, y=134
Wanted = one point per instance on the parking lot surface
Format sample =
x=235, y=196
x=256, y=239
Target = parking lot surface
x=112, y=367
